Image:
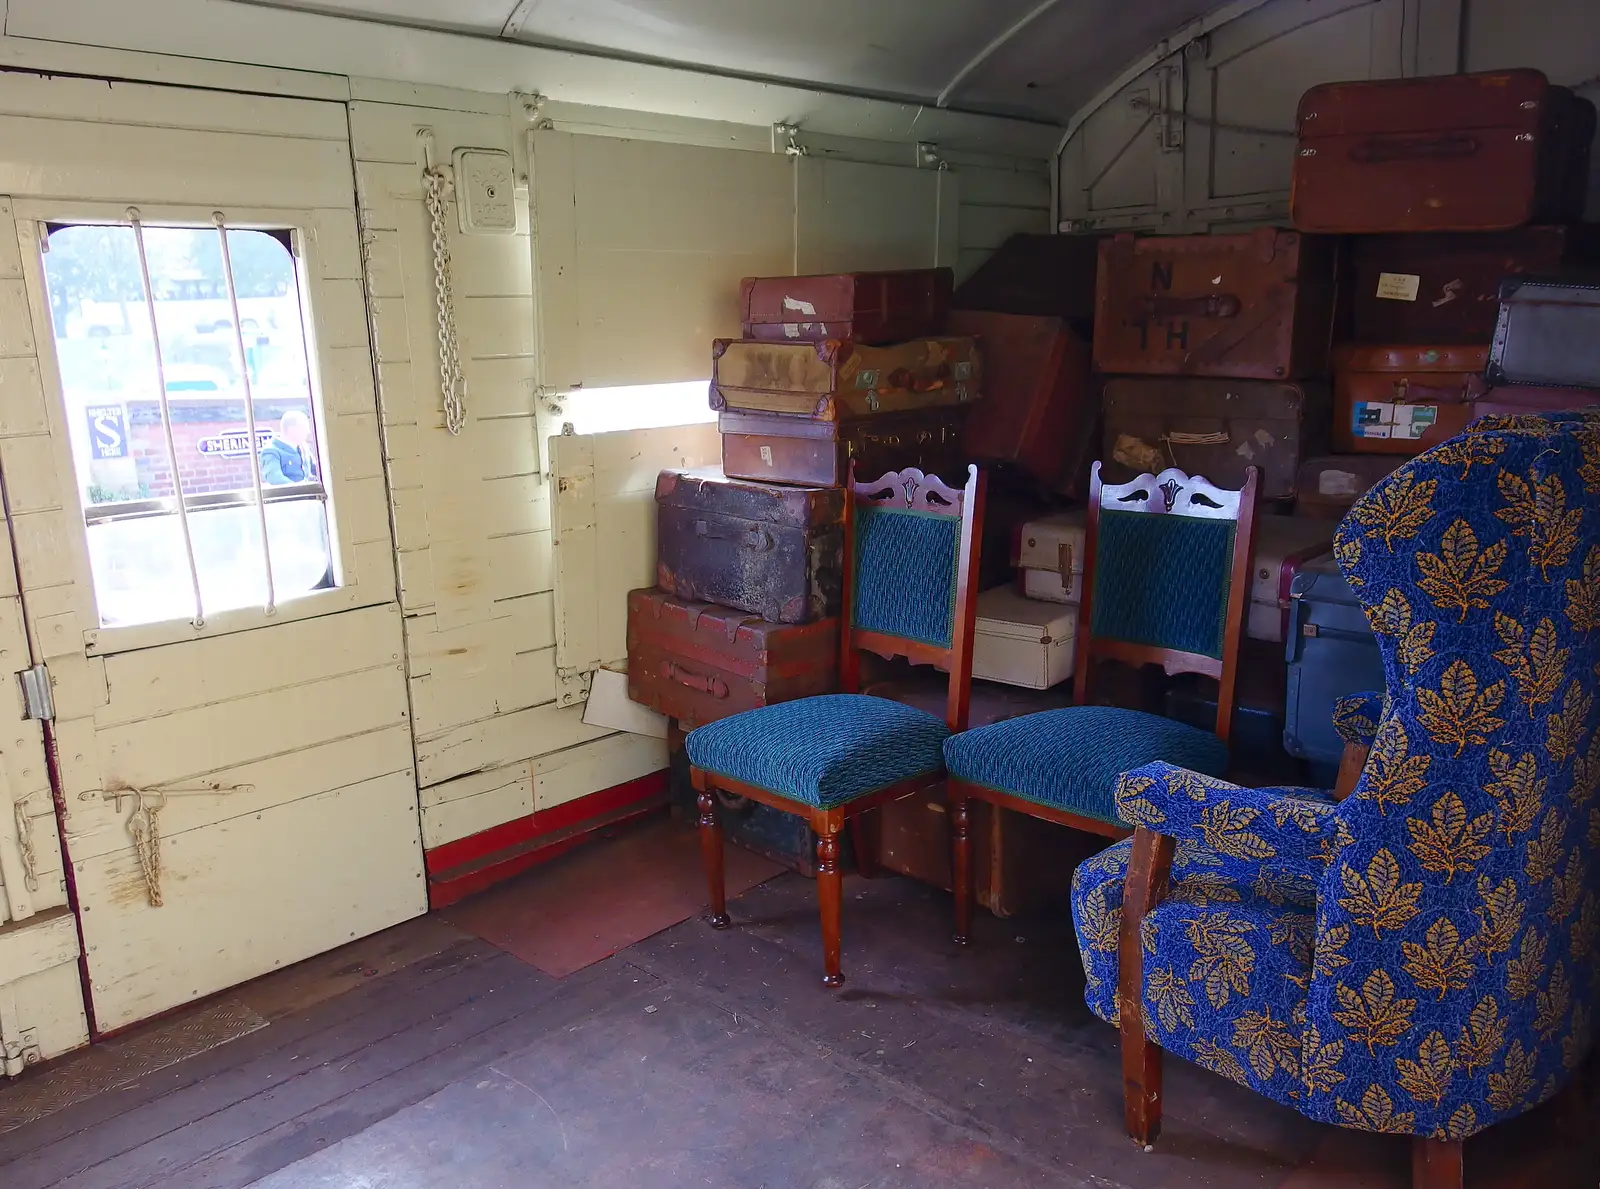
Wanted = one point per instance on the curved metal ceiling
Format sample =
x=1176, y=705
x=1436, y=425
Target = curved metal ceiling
x=1041, y=59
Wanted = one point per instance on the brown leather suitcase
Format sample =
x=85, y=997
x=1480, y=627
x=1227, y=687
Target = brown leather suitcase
x=1465, y=152
x=1444, y=288
x=774, y=448
x=1214, y=428
x=834, y=381
x=864, y=307
x=1386, y=399
x=1037, y=413
x=696, y=663
x=776, y=552
x=1330, y=483
x=1257, y=305
x=1044, y=276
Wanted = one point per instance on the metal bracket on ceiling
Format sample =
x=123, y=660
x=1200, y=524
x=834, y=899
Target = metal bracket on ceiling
x=928, y=156
x=785, y=139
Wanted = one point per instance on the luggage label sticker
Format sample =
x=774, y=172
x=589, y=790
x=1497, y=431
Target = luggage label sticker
x=1399, y=286
x=1385, y=419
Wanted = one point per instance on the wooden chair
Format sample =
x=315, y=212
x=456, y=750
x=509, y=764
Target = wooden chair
x=910, y=589
x=1166, y=581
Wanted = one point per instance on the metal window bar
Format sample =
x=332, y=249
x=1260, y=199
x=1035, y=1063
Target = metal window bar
x=166, y=415
x=249, y=407
x=166, y=505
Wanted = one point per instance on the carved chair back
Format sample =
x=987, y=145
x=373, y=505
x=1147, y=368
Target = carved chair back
x=911, y=576
x=1166, y=578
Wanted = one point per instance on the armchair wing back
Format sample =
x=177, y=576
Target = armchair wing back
x=1455, y=958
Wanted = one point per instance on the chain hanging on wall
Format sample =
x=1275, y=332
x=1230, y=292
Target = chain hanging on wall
x=452, y=383
x=145, y=826
x=30, y=856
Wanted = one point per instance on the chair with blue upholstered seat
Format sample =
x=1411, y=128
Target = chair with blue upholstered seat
x=1421, y=958
x=1166, y=582
x=911, y=545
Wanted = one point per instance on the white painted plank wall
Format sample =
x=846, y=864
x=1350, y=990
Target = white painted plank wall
x=471, y=513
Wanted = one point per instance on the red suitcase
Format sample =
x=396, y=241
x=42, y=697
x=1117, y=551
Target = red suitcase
x=1257, y=305
x=1465, y=152
x=1392, y=400
x=1037, y=412
x=696, y=662
x=776, y=448
x=866, y=307
x=1444, y=288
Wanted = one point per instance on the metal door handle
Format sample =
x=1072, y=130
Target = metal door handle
x=755, y=538
x=714, y=686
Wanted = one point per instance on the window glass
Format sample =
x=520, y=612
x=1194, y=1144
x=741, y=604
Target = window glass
x=128, y=429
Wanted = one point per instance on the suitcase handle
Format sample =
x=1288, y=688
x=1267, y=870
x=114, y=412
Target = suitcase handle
x=1405, y=391
x=1215, y=305
x=758, y=539
x=1380, y=150
x=714, y=686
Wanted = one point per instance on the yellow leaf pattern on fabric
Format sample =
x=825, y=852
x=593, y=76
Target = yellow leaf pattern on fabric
x=1376, y=1113
x=1566, y=728
x=1460, y=1125
x=1347, y=552
x=1482, y=1036
x=1518, y=789
x=1544, y=851
x=1205, y=887
x=1512, y=1085
x=1100, y=923
x=1308, y=815
x=1587, y=931
x=1226, y=830
x=1499, y=916
x=1459, y=713
x=1566, y=889
x=1397, y=510
x=1468, y=451
x=1226, y=959
x=1537, y=665
x=1589, y=472
x=1329, y=955
x=1379, y=899
x=1133, y=806
x=1443, y=962
x=1428, y=1077
x=1268, y=1044
x=1209, y=1055
x=1552, y=1003
x=1539, y=512
x=1393, y=775
x=1375, y=1016
x=1461, y=577
x=1319, y=1062
x=1525, y=970
x=1586, y=773
x=1583, y=595
x=1393, y=617
x=1171, y=999
x=1449, y=841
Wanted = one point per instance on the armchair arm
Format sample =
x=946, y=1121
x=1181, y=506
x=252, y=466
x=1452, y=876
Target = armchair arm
x=1285, y=831
x=1356, y=717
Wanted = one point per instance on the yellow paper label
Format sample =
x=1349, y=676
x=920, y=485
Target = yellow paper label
x=1398, y=286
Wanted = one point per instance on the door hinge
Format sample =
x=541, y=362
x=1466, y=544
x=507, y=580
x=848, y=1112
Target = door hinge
x=38, y=702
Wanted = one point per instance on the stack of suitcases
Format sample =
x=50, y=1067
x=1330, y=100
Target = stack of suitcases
x=1432, y=273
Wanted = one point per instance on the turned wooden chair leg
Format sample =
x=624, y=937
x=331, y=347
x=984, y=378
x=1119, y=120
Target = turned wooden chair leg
x=1435, y=1164
x=830, y=900
x=711, y=853
x=961, y=861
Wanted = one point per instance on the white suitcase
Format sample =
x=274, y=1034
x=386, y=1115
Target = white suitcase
x=1050, y=560
x=1022, y=641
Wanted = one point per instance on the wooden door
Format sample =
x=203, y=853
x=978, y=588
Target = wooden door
x=196, y=502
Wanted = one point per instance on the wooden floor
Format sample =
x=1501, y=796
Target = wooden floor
x=428, y=1058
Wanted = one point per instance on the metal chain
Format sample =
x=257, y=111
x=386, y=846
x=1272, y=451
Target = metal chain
x=30, y=856
x=145, y=827
x=451, y=382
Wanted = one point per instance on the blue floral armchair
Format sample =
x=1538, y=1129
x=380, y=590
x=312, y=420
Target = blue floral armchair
x=1423, y=957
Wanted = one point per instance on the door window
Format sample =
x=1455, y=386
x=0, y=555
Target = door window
x=190, y=405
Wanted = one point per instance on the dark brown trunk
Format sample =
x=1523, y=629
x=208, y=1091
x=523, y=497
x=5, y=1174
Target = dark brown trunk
x=780, y=449
x=867, y=307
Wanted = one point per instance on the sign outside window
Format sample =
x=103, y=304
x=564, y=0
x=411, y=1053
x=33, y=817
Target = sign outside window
x=108, y=431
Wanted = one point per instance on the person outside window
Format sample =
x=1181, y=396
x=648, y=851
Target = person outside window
x=288, y=457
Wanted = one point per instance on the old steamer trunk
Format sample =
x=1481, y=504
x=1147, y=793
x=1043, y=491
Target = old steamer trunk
x=835, y=381
x=697, y=663
x=775, y=448
x=776, y=552
x=865, y=307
